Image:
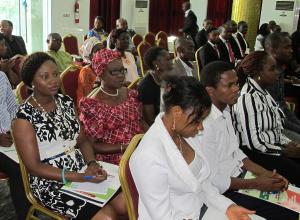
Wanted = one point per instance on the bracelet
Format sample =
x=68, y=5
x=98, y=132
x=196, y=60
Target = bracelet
x=91, y=161
x=63, y=178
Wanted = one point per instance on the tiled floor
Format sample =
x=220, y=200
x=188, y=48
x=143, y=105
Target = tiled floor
x=7, y=211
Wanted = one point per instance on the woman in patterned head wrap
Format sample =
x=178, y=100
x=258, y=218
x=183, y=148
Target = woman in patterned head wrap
x=112, y=115
x=87, y=76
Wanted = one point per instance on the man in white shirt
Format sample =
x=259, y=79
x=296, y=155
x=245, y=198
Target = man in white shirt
x=221, y=148
x=183, y=63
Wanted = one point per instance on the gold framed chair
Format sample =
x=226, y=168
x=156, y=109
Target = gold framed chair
x=198, y=62
x=141, y=49
x=69, y=81
x=128, y=187
x=149, y=37
x=70, y=44
x=21, y=92
x=35, y=205
x=135, y=83
x=161, y=35
x=136, y=39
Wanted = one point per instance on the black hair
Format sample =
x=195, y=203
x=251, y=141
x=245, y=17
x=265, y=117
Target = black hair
x=211, y=30
x=31, y=64
x=151, y=55
x=8, y=22
x=188, y=93
x=264, y=29
x=2, y=36
x=274, y=40
x=100, y=18
x=114, y=35
x=211, y=73
x=242, y=24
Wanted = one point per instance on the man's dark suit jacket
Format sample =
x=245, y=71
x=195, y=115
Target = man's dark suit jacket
x=208, y=54
x=224, y=54
x=235, y=48
x=16, y=46
x=242, y=42
x=190, y=26
x=201, y=38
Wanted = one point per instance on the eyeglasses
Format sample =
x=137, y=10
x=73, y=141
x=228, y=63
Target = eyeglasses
x=122, y=71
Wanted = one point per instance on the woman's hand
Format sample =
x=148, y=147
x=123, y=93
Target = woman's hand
x=291, y=150
x=235, y=212
x=276, y=175
x=5, y=140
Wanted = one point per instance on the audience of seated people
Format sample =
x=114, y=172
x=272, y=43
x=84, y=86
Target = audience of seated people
x=15, y=44
x=8, y=109
x=6, y=65
x=221, y=147
x=278, y=45
x=160, y=64
x=177, y=180
x=224, y=45
x=87, y=76
x=241, y=36
x=113, y=115
x=46, y=131
x=63, y=59
x=259, y=120
x=119, y=41
x=236, y=47
x=210, y=52
x=185, y=54
x=255, y=132
x=202, y=36
x=98, y=31
x=262, y=33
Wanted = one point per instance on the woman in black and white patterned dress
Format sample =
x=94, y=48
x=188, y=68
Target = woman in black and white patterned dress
x=46, y=131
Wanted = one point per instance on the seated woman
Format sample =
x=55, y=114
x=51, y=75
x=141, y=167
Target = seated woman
x=176, y=182
x=46, y=132
x=160, y=64
x=263, y=31
x=119, y=41
x=258, y=119
x=87, y=76
x=98, y=30
x=113, y=115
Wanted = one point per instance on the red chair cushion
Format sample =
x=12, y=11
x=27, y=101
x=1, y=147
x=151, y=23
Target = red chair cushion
x=144, y=46
x=3, y=176
x=137, y=39
x=70, y=83
x=150, y=38
x=133, y=191
x=71, y=45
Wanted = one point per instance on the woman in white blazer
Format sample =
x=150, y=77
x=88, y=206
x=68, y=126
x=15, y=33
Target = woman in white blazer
x=168, y=168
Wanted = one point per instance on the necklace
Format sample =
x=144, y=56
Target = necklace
x=180, y=144
x=109, y=94
x=62, y=124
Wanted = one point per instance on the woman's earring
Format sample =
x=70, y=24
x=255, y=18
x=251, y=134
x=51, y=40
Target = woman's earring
x=174, y=125
x=258, y=78
x=157, y=67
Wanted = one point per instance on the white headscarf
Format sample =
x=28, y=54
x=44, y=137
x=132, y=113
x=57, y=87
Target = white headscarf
x=87, y=47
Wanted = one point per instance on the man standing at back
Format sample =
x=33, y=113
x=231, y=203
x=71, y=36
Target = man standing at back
x=190, y=26
x=201, y=37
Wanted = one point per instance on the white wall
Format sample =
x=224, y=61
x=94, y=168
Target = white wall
x=60, y=18
x=200, y=9
x=288, y=20
x=126, y=11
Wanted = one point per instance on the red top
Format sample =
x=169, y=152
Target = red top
x=111, y=124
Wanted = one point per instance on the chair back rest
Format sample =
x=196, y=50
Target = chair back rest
x=127, y=183
x=22, y=92
x=69, y=81
x=162, y=36
x=141, y=49
x=150, y=38
x=198, y=62
x=137, y=39
x=18, y=64
x=162, y=43
x=70, y=44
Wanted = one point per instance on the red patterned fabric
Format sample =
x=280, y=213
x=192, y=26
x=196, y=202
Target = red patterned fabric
x=102, y=58
x=111, y=124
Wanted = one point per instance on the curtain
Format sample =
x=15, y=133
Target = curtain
x=219, y=11
x=108, y=9
x=166, y=16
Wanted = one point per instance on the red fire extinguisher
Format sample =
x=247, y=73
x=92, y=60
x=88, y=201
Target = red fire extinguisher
x=76, y=11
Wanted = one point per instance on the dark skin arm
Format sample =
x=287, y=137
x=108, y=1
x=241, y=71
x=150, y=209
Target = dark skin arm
x=265, y=180
x=149, y=114
x=26, y=145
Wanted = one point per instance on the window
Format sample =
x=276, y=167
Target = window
x=10, y=10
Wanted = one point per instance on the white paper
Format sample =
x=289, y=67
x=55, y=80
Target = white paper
x=10, y=152
x=214, y=214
